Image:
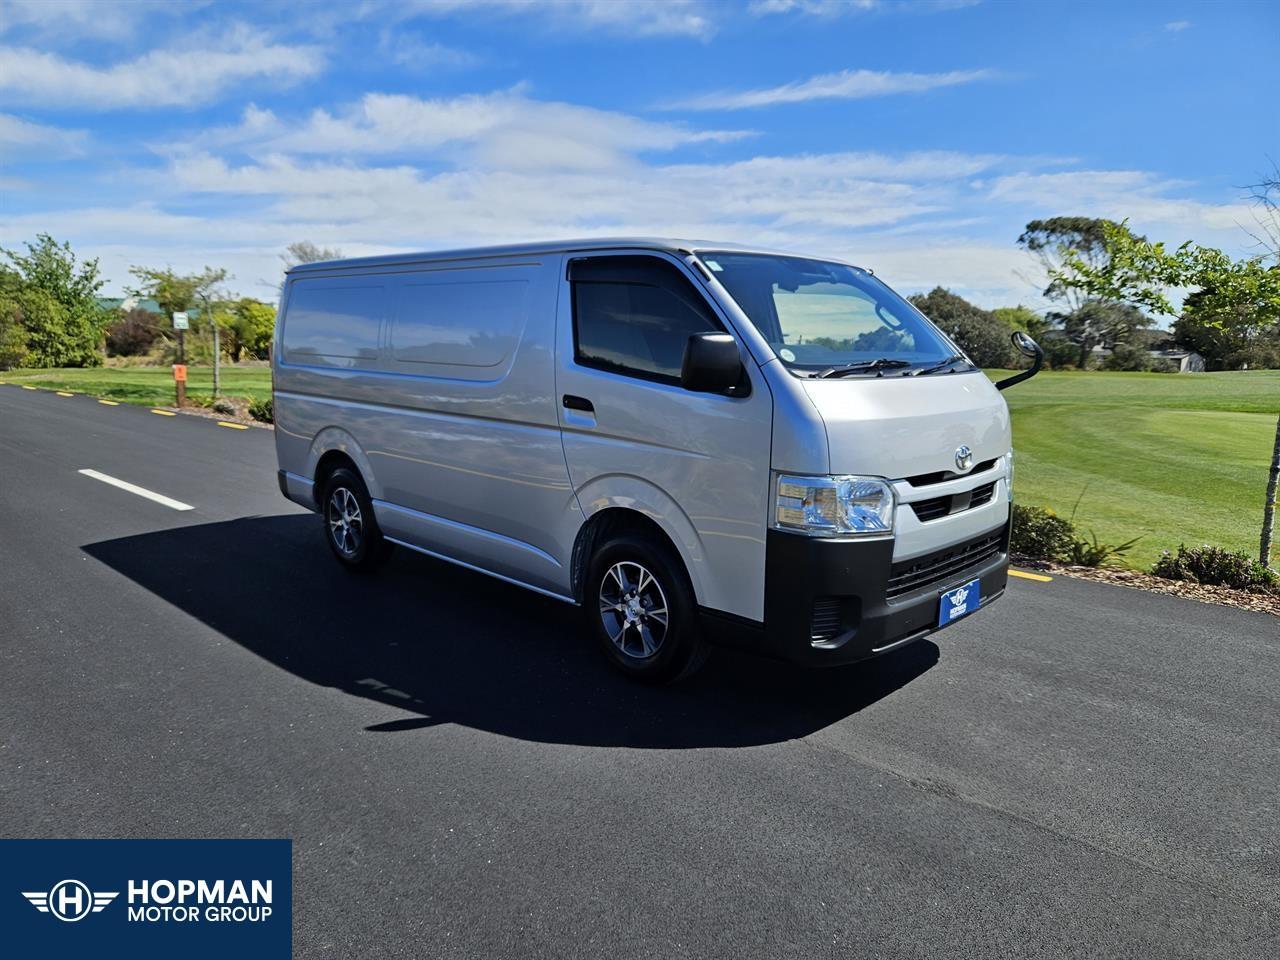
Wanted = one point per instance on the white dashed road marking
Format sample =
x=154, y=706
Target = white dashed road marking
x=140, y=491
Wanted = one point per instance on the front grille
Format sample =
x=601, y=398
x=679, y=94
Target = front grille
x=936, y=507
x=981, y=495
x=932, y=509
x=942, y=476
x=825, y=623
x=920, y=572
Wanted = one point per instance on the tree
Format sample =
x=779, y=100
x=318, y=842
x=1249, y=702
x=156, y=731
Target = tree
x=976, y=331
x=1237, y=340
x=1060, y=240
x=251, y=325
x=1140, y=272
x=1265, y=195
x=176, y=292
x=1266, y=202
x=13, y=335
x=1098, y=323
x=1022, y=318
x=304, y=251
x=56, y=298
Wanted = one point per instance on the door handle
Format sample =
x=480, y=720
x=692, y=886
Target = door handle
x=578, y=403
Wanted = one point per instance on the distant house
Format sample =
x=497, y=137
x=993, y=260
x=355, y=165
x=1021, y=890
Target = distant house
x=1187, y=361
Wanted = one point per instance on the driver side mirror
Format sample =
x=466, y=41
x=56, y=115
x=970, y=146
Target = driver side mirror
x=1028, y=348
x=711, y=364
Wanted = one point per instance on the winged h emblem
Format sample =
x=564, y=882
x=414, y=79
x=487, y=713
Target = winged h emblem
x=70, y=900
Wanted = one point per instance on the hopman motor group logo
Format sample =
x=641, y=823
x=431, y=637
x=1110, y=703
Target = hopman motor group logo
x=162, y=901
x=70, y=900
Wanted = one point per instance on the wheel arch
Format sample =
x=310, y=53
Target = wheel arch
x=648, y=514
x=334, y=447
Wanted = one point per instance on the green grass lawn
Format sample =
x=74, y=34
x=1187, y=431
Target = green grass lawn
x=150, y=386
x=1171, y=458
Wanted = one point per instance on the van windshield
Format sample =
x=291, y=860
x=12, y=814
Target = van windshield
x=829, y=319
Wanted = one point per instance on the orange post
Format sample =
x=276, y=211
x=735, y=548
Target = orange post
x=180, y=382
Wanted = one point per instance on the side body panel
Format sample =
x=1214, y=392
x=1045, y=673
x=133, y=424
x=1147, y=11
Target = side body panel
x=695, y=463
x=453, y=423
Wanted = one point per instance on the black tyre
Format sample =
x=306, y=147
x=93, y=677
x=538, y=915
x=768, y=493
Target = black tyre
x=349, y=523
x=640, y=606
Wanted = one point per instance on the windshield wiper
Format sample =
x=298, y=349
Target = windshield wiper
x=862, y=366
x=941, y=365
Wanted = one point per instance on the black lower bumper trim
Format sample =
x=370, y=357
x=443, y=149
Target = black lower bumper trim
x=838, y=601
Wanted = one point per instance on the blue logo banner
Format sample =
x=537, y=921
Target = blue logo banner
x=140, y=899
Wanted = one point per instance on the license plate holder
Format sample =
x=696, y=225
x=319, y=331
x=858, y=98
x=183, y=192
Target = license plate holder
x=959, y=602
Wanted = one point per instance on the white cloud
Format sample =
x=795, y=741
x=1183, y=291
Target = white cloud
x=1177, y=26
x=23, y=139
x=396, y=172
x=506, y=129
x=821, y=8
x=844, y=85
x=692, y=18
x=987, y=274
x=840, y=8
x=73, y=19
x=407, y=50
x=1136, y=195
x=161, y=78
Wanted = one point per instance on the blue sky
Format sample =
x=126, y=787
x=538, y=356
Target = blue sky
x=912, y=137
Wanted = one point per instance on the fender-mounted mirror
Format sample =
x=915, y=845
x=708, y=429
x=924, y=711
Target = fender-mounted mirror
x=1028, y=348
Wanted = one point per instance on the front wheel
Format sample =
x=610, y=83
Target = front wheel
x=350, y=526
x=641, y=607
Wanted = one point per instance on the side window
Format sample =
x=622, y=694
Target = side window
x=635, y=314
x=333, y=323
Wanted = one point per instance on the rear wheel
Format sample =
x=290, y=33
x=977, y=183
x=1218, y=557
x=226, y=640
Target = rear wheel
x=350, y=526
x=641, y=607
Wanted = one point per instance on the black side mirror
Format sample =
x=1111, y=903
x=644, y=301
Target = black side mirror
x=711, y=364
x=1028, y=348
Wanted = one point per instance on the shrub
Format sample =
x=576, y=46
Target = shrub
x=1040, y=533
x=1060, y=354
x=1128, y=356
x=1216, y=566
x=262, y=410
x=133, y=334
x=1092, y=553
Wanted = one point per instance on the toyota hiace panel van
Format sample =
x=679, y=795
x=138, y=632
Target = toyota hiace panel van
x=693, y=442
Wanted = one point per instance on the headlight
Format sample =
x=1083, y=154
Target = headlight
x=834, y=506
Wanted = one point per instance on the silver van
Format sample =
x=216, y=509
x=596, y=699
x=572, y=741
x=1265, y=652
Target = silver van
x=693, y=442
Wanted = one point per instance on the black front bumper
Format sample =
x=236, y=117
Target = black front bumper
x=840, y=601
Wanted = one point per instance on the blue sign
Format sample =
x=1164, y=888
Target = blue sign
x=960, y=601
x=140, y=899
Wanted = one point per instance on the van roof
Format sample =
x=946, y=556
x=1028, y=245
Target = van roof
x=667, y=244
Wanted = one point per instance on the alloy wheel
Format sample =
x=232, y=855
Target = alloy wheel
x=346, y=523
x=633, y=609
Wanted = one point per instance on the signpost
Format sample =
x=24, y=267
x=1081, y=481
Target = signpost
x=181, y=324
x=180, y=382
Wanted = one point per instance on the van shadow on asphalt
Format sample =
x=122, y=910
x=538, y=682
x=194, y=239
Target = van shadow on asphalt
x=452, y=646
